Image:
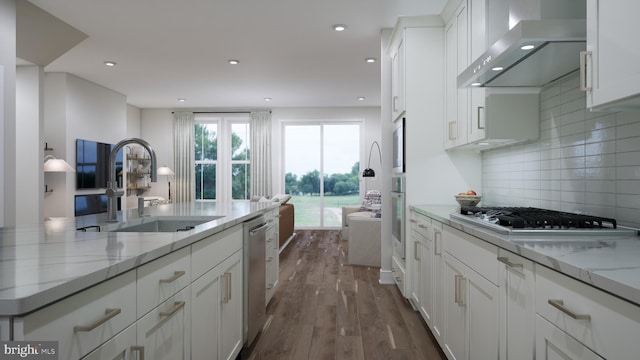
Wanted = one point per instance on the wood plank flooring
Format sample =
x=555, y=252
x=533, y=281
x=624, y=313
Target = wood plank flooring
x=326, y=309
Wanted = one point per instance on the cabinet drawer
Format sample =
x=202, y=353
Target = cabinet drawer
x=397, y=271
x=122, y=346
x=82, y=322
x=473, y=252
x=605, y=324
x=162, y=278
x=421, y=224
x=209, y=252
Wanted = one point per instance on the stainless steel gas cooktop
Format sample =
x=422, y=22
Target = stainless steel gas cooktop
x=527, y=220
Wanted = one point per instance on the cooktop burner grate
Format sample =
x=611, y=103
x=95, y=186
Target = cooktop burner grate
x=534, y=218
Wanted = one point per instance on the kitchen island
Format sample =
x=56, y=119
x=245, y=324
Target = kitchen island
x=533, y=295
x=62, y=274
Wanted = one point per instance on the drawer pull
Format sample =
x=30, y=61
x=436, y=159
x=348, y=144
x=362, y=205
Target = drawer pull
x=175, y=277
x=559, y=304
x=108, y=315
x=422, y=226
x=437, y=239
x=505, y=260
x=458, y=298
x=140, y=350
x=227, y=287
x=415, y=251
x=413, y=221
x=176, y=306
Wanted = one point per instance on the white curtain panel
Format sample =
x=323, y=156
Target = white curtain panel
x=183, y=156
x=260, y=153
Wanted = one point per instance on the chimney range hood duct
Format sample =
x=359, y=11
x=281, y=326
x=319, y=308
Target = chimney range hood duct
x=555, y=28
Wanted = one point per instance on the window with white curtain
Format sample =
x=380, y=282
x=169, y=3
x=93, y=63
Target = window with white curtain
x=222, y=163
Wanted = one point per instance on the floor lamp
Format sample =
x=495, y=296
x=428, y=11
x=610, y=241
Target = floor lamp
x=163, y=170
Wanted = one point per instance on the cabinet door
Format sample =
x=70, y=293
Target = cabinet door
x=517, y=311
x=231, y=307
x=272, y=261
x=397, y=82
x=205, y=317
x=554, y=344
x=164, y=331
x=414, y=267
x=455, y=309
x=612, y=72
x=437, y=296
x=426, y=282
x=456, y=60
x=121, y=347
x=483, y=331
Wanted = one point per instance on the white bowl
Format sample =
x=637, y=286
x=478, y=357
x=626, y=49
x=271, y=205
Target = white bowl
x=468, y=200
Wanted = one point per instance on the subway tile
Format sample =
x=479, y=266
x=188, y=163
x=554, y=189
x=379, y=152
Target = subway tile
x=573, y=105
x=628, y=130
x=628, y=173
x=573, y=185
x=572, y=128
x=573, y=163
x=627, y=201
x=600, y=199
x=628, y=187
x=604, y=160
x=628, y=158
x=628, y=144
x=600, y=186
x=600, y=135
x=601, y=211
x=603, y=121
x=627, y=117
x=596, y=148
x=573, y=117
x=572, y=140
x=604, y=173
x=572, y=150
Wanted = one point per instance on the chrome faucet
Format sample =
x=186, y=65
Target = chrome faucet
x=112, y=185
x=141, y=201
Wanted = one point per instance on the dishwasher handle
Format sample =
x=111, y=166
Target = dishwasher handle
x=258, y=228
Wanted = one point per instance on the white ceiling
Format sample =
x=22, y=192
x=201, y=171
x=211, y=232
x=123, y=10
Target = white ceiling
x=170, y=49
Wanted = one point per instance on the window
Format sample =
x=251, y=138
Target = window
x=322, y=171
x=222, y=157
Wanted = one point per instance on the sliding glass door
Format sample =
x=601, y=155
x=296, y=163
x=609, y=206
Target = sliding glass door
x=322, y=171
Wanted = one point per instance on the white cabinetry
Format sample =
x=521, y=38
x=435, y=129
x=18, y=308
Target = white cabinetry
x=612, y=75
x=272, y=252
x=426, y=270
x=471, y=297
x=216, y=293
x=456, y=60
x=84, y=321
x=582, y=322
x=397, y=80
x=517, y=312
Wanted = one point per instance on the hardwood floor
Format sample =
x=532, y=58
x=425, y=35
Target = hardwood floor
x=326, y=309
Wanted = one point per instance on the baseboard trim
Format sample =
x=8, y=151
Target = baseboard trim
x=286, y=243
x=386, y=277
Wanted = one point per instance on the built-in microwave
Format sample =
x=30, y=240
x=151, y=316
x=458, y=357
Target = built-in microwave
x=398, y=146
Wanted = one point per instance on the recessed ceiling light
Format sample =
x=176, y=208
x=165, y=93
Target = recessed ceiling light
x=110, y=63
x=527, y=47
x=339, y=27
x=497, y=68
x=182, y=100
x=361, y=98
x=267, y=99
x=476, y=84
x=370, y=60
x=233, y=62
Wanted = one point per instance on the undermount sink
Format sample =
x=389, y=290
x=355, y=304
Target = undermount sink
x=162, y=224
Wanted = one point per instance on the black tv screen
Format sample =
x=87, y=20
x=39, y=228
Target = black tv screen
x=92, y=164
x=91, y=204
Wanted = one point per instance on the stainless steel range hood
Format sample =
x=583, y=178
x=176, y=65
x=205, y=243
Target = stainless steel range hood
x=555, y=53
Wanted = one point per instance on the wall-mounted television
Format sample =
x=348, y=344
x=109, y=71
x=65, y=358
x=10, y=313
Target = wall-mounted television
x=92, y=164
x=92, y=204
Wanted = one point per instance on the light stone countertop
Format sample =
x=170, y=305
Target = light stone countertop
x=610, y=263
x=46, y=262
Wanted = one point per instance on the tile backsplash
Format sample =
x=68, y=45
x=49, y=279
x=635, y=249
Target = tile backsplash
x=585, y=162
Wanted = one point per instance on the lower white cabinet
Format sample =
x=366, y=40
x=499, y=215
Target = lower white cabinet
x=163, y=333
x=272, y=254
x=84, y=321
x=598, y=321
x=121, y=347
x=471, y=300
x=517, y=310
x=553, y=343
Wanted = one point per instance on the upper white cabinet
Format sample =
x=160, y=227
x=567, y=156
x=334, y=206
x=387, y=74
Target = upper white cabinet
x=397, y=80
x=610, y=72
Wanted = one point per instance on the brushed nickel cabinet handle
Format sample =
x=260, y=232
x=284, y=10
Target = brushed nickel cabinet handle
x=422, y=226
x=452, y=136
x=559, y=304
x=456, y=297
x=108, y=315
x=413, y=221
x=228, y=274
x=505, y=260
x=395, y=103
x=480, y=108
x=140, y=350
x=176, y=306
x=415, y=251
x=175, y=277
x=437, y=242
x=585, y=78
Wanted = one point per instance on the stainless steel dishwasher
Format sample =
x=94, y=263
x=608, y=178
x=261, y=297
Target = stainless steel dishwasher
x=254, y=277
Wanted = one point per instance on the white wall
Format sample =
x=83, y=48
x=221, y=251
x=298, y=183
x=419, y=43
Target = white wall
x=7, y=111
x=29, y=149
x=156, y=127
x=76, y=108
x=587, y=162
